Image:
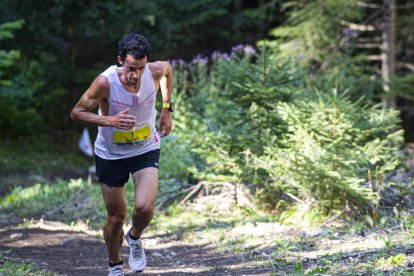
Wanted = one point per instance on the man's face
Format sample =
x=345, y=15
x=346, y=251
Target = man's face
x=133, y=68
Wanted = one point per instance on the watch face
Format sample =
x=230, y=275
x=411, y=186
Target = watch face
x=172, y=107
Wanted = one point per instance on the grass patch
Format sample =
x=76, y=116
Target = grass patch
x=66, y=201
x=208, y=226
x=8, y=268
x=378, y=266
x=40, y=198
x=41, y=157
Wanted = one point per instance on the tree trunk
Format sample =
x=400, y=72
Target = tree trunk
x=388, y=50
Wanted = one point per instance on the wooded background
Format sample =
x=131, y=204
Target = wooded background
x=63, y=45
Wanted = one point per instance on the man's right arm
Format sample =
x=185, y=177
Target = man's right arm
x=98, y=91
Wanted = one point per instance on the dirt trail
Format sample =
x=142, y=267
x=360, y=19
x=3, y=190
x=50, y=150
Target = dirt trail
x=76, y=250
x=56, y=248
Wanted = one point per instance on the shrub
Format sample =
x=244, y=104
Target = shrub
x=330, y=145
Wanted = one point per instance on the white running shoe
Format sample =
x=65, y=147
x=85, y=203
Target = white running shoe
x=137, y=260
x=117, y=270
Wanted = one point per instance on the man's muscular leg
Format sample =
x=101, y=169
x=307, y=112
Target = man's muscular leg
x=146, y=188
x=114, y=198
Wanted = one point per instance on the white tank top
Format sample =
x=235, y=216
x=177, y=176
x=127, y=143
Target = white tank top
x=112, y=143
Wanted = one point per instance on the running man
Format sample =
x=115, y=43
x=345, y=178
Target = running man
x=127, y=141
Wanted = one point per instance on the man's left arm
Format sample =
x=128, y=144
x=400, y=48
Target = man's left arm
x=165, y=123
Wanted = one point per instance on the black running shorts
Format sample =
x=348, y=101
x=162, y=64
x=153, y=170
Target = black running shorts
x=115, y=173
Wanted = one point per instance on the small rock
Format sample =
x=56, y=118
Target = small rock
x=256, y=252
x=319, y=233
x=268, y=251
x=67, y=241
x=16, y=235
x=150, y=242
x=156, y=254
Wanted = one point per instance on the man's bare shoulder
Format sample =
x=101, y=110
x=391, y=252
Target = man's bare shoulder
x=101, y=82
x=159, y=68
x=99, y=87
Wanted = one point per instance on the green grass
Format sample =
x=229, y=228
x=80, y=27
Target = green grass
x=8, y=268
x=369, y=268
x=66, y=201
x=208, y=226
x=41, y=157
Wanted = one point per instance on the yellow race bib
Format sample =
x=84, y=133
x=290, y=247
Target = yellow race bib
x=137, y=135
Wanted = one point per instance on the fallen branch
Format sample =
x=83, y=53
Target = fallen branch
x=225, y=190
x=195, y=189
x=360, y=27
x=332, y=218
x=407, y=65
x=295, y=198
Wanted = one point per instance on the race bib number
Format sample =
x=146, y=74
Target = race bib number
x=137, y=135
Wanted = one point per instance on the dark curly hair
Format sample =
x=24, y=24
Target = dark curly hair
x=135, y=45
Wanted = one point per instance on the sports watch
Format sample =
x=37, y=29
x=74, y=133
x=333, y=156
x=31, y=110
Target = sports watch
x=169, y=106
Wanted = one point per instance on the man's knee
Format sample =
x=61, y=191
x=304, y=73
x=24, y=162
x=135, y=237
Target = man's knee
x=144, y=208
x=116, y=219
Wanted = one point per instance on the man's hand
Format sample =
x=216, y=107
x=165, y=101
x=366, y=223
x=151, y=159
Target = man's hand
x=123, y=120
x=165, y=122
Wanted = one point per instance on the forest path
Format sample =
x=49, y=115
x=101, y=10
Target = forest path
x=57, y=248
x=62, y=249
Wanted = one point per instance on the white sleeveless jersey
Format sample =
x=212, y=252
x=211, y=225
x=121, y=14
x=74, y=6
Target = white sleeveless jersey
x=112, y=143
